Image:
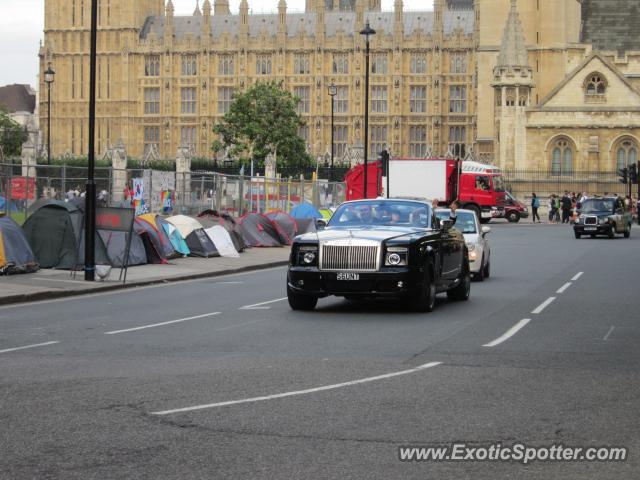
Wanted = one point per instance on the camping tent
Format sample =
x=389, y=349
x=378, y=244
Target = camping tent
x=286, y=222
x=165, y=244
x=116, y=244
x=15, y=253
x=222, y=240
x=178, y=243
x=259, y=231
x=209, y=218
x=199, y=243
x=305, y=210
x=56, y=235
x=151, y=241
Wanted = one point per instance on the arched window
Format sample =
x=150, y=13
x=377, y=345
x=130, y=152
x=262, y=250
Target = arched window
x=627, y=154
x=595, y=84
x=562, y=157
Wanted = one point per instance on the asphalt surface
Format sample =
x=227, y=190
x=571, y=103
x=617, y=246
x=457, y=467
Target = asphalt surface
x=88, y=406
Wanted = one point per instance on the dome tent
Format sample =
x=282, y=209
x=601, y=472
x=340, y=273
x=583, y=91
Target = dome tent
x=194, y=235
x=16, y=255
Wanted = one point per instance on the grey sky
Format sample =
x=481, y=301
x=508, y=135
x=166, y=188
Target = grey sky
x=22, y=22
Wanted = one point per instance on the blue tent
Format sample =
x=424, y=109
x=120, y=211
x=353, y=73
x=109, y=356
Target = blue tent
x=177, y=241
x=3, y=202
x=305, y=210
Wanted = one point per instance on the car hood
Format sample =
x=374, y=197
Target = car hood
x=597, y=214
x=472, y=238
x=375, y=233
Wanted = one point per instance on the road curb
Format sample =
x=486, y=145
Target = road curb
x=51, y=295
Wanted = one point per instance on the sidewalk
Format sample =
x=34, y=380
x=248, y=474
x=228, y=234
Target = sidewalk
x=47, y=284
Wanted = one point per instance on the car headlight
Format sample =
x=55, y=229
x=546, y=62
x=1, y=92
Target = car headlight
x=473, y=256
x=396, y=256
x=308, y=255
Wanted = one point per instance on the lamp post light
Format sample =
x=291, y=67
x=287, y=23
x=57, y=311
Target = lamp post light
x=333, y=91
x=49, y=78
x=367, y=32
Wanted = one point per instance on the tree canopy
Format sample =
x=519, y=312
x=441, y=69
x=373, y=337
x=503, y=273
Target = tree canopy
x=262, y=120
x=12, y=135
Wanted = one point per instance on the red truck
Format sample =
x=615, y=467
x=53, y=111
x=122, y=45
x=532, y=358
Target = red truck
x=476, y=186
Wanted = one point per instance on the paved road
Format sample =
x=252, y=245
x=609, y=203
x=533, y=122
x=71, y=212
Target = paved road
x=101, y=402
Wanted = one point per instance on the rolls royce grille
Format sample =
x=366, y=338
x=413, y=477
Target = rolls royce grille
x=349, y=257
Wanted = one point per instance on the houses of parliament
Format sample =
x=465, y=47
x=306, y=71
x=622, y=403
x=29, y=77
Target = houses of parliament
x=520, y=83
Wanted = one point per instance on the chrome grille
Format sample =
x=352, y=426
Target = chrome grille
x=591, y=220
x=341, y=256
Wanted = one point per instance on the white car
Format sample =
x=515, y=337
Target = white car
x=475, y=236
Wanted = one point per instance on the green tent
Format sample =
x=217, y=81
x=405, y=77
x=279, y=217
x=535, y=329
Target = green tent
x=55, y=232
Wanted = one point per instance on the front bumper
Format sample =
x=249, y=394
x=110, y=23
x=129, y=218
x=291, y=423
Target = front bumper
x=384, y=283
x=600, y=229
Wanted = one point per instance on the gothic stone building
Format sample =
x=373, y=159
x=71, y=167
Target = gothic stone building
x=549, y=84
x=164, y=80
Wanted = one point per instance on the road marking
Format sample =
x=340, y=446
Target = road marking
x=163, y=323
x=543, y=305
x=608, y=333
x=299, y=392
x=260, y=306
x=509, y=333
x=564, y=287
x=577, y=276
x=28, y=346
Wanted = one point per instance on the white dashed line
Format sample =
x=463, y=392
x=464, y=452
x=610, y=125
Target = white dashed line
x=564, y=287
x=608, y=333
x=543, y=305
x=577, y=276
x=28, y=346
x=299, y=392
x=163, y=323
x=260, y=306
x=509, y=333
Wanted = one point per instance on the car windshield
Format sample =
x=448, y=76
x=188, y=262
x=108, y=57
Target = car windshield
x=383, y=213
x=498, y=183
x=465, y=221
x=597, y=205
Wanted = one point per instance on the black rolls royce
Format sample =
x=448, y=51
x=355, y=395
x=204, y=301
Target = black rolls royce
x=380, y=248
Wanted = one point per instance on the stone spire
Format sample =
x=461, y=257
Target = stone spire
x=513, y=52
x=244, y=17
x=206, y=8
x=221, y=7
x=169, y=9
x=197, y=12
x=282, y=16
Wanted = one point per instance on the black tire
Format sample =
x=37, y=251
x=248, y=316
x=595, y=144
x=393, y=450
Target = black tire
x=463, y=290
x=301, y=302
x=480, y=275
x=513, y=217
x=612, y=231
x=577, y=235
x=487, y=270
x=425, y=301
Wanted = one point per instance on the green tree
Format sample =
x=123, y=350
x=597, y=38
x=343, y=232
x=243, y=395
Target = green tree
x=12, y=135
x=262, y=120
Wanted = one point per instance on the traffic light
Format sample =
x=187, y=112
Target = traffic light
x=623, y=173
x=384, y=157
x=633, y=173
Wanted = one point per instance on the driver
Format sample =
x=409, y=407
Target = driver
x=364, y=213
x=395, y=217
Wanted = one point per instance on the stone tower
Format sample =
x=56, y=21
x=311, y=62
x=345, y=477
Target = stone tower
x=512, y=83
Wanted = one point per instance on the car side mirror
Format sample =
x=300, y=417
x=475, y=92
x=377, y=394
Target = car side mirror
x=486, y=230
x=321, y=224
x=446, y=224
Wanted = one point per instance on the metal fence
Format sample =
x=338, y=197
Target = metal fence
x=163, y=192
x=546, y=182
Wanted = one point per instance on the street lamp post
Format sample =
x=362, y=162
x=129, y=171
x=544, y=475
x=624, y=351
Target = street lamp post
x=367, y=32
x=49, y=78
x=333, y=91
x=90, y=195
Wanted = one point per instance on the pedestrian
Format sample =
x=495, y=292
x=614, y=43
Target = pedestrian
x=565, y=204
x=551, y=205
x=535, y=205
x=556, y=200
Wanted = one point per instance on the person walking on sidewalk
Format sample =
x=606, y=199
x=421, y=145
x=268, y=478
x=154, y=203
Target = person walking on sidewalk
x=566, y=207
x=535, y=205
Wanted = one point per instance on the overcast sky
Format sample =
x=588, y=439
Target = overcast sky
x=22, y=22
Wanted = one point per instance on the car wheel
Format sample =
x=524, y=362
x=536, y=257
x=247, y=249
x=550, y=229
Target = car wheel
x=612, y=231
x=487, y=270
x=425, y=301
x=513, y=217
x=463, y=290
x=577, y=235
x=300, y=302
x=480, y=275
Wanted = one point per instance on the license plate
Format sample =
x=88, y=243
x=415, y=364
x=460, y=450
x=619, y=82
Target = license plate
x=348, y=276
x=591, y=229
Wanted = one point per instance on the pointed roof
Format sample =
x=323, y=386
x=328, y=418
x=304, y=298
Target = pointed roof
x=197, y=12
x=513, y=51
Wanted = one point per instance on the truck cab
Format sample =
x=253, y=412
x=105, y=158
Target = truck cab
x=482, y=190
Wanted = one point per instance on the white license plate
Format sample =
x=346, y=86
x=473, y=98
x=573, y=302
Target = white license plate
x=590, y=229
x=348, y=276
